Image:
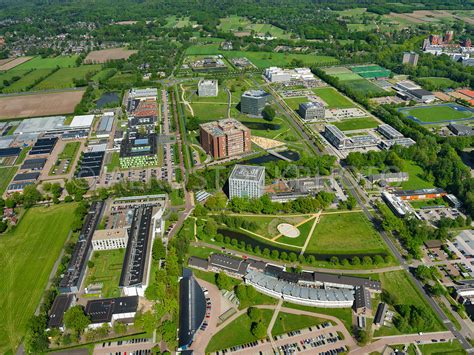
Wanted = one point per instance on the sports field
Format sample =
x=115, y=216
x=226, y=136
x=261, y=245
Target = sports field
x=364, y=87
x=438, y=113
x=49, y=63
x=371, y=71
x=356, y=123
x=28, y=254
x=350, y=233
x=347, y=76
x=333, y=98
x=67, y=77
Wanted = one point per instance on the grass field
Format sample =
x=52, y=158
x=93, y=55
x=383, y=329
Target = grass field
x=70, y=150
x=48, y=63
x=333, y=98
x=356, y=123
x=6, y=175
x=237, y=23
x=440, y=113
x=237, y=332
x=287, y=322
x=364, y=87
x=107, y=269
x=304, y=229
x=28, y=80
x=28, y=254
x=66, y=77
x=450, y=348
x=343, y=314
x=437, y=83
x=415, y=177
x=347, y=76
x=345, y=233
x=8, y=77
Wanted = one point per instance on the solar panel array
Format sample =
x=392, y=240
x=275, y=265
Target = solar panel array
x=9, y=152
x=26, y=176
x=91, y=164
x=34, y=164
x=44, y=146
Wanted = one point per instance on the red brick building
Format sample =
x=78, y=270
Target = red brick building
x=225, y=138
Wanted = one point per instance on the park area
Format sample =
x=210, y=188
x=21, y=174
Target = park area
x=34, y=105
x=242, y=26
x=28, y=254
x=437, y=114
x=348, y=233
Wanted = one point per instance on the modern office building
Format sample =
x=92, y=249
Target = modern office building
x=207, y=88
x=275, y=74
x=311, y=110
x=108, y=239
x=410, y=58
x=106, y=124
x=225, y=138
x=422, y=95
x=247, y=181
x=339, y=140
x=389, y=132
x=111, y=310
x=253, y=102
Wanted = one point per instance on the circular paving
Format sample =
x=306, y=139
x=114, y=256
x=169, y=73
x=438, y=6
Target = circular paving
x=288, y=230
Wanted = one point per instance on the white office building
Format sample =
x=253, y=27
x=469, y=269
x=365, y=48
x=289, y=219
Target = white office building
x=247, y=181
x=311, y=110
x=208, y=88
x=109, y=239
x=278, y=75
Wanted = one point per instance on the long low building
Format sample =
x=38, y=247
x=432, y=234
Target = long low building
x=420, y=194
x=292, y=292
x=111, y=310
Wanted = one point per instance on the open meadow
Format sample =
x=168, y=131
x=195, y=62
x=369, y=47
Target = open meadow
x=67, y=77
x=28, y=254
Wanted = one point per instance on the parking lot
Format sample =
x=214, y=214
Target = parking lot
x=322, y=339
x=435, y=214
x=139, y=346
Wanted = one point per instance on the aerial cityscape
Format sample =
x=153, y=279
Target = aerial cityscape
x=258, y=177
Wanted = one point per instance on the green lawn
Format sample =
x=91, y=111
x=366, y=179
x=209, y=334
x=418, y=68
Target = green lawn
x=343, y=314
x=49, y=63
x=295, y=102
x=28, y=80
x=237, y=332
x=238, y=23
x=8, y=76
x=114, y=162
x=28, y=254
x=333, y=98
x=356, y=123
x=106, y=270
x=70, y=150
x=345, y=233
x=6, y=175
x=65, y=77
x=437, y=113
x=450, y=348
x=287, y=322
x=176, y=199
x=437, y=83
x=304, y=229
x=415, y=179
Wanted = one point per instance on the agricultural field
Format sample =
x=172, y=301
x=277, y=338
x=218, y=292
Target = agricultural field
x=178, y=22
x=438, y=113
x=105, y=55
x=350, y=233
x=67, y=77
x=237, y=332
x=28, y=254
x=8, y=78
x=356, y=123
x=333, y=98
x=49, y=63
x=34, y=105
x=27, y=81
x=106, y=269
x=10, y=64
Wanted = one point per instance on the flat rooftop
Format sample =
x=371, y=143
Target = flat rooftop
x=41, y=124
x=248, y=172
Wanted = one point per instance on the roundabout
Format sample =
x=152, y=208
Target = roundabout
x=288, y=230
